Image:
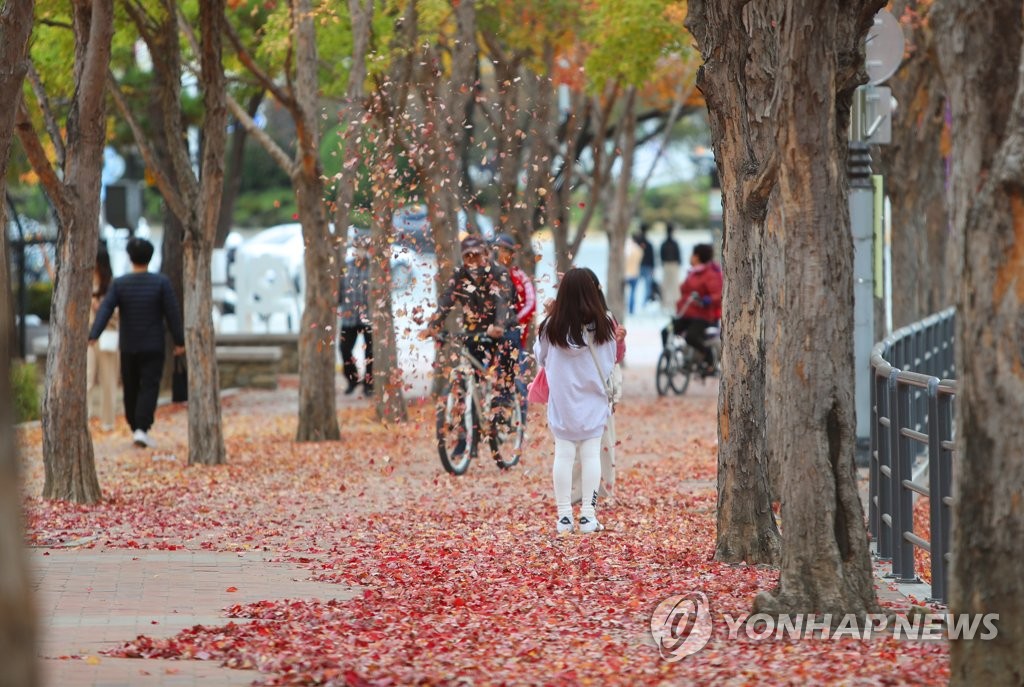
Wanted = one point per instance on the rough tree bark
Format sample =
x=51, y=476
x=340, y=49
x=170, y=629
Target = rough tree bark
x=619, y=211
x=194, y=203
x=914, y=165
x=983, y=68
x=17, y=613
x=826, y=566
x=75, y=196
x=738, y=82
x=388, y=382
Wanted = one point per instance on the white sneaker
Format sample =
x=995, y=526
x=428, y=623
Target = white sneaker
x=141, y=438
x=564, y=524
x=588, y=525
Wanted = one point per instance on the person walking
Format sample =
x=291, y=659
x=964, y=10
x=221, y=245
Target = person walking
x=101, y=360
x=354, y=307
x=144, y=302
x=647, y=267
x=576, y=347
x=671, y=259
x=525, y=305
x=631, y=268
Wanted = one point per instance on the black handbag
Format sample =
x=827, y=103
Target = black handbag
x=179, y=380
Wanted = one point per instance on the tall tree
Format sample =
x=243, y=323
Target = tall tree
x=983, y=69
x=798, y=190
x=914, y=165
x=194, y=202
x=17, y=614
x=318, y=420
x=738, y=82
x=74, y=194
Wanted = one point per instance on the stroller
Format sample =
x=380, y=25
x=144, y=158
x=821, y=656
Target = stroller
x=679, y=361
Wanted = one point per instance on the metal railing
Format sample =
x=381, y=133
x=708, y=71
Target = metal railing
x=912, y=393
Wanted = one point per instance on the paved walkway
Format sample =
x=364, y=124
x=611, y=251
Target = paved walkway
x=93, y=599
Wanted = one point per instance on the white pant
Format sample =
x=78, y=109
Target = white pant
x=590, y=474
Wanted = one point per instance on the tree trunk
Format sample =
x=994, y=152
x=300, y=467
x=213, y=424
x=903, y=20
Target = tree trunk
x=619, y=210
x=172, y=265
x=915, y=179
x=67, y=446
x=318, y=418
x=388, y=396
x=826, y=566
x=17, y=612
x=738, y=86
x=981, y=56
x=235, y=160
x=205, y=433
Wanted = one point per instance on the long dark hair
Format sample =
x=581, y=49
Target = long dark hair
x=578, y=305
x=103, y=271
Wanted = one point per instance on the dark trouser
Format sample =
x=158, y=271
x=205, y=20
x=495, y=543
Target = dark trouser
x=497, y=357
x=347, y=344
x=140, y=374
x=694, y=328
x=514, y=361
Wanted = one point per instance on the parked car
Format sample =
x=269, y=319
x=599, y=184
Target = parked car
x=285, y=240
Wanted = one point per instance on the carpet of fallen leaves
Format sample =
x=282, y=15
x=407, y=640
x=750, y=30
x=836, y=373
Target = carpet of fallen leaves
x=461, y=580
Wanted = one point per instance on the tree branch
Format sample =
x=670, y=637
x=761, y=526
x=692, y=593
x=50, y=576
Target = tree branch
x=52, y=127
x=245, y=57
x=33, y=148
x=261, y=137
x=163, y=183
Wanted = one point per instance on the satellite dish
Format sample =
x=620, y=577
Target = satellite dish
x=883, y=48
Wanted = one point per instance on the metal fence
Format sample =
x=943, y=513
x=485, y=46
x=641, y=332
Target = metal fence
x=912, y=394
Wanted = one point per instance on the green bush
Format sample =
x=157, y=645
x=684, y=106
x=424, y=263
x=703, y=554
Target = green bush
x=39, y=295
x=25, y=391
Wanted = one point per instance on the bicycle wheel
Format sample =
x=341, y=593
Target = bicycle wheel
x=507, y=433
x=663, y=375
x=456, y=425
x=679, y=380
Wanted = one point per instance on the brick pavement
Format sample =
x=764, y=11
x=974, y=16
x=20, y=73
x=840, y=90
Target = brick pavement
x=92, y=599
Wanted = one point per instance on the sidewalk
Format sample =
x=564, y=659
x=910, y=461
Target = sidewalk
x=94, y=599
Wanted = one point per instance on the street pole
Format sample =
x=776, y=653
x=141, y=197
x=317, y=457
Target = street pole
x=862, y=227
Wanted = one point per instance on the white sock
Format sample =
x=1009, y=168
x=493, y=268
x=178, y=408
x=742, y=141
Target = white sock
x=561, y=473
x=590, y=475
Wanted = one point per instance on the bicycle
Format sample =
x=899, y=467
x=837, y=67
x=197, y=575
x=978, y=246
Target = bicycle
x=679, y=361
x=461, y=416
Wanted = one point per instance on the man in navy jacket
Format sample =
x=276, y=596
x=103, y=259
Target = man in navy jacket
x=144, y=301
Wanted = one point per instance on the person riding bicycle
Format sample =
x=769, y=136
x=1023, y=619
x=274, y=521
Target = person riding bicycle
x=484, y=291
x=699, y=305
x=524, y=301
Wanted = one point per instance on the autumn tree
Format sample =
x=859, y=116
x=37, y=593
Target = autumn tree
x=738, y=83
x=17, y=615
x=790, y=188
x=298, y=93
x=195, y=202
x=914, y=165
x=980, y=53
x=73, y=188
